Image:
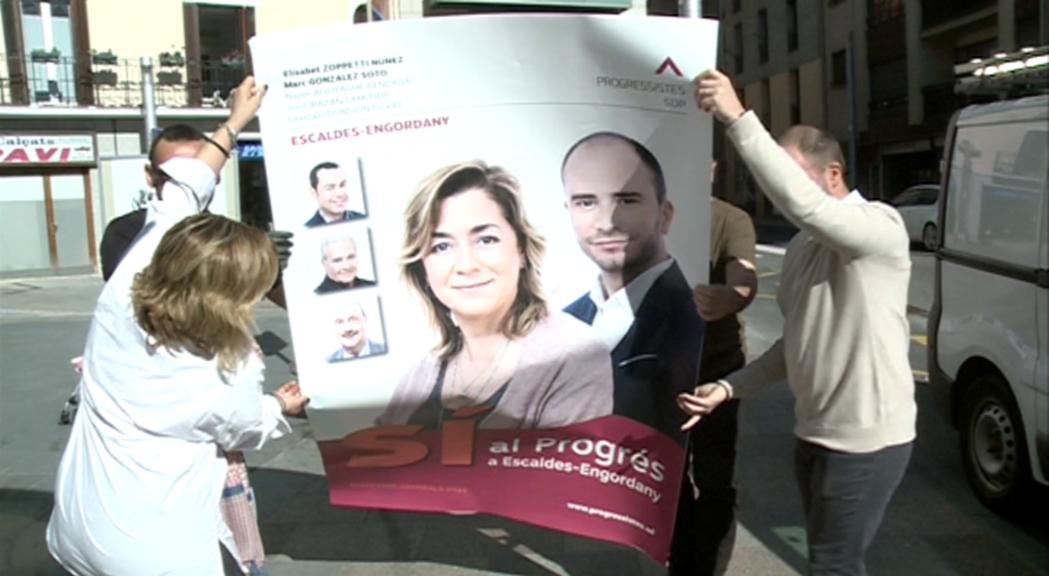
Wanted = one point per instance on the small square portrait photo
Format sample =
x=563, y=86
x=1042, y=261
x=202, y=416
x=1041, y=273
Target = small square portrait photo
x=356, y=327
x=337, y=189
x=346, y=259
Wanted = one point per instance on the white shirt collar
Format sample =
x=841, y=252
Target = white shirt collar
x=366, y=351
x=854, y=197
x=615, y=314
x=188, y=190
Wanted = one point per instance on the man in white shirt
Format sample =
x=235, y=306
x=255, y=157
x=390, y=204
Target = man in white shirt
x=844, y=350
x=641, y=305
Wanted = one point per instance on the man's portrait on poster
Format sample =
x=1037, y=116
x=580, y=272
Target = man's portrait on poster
x=640, y=305
x=474, y=259
x=358, y=333
x=341, y=256
x=331, y=188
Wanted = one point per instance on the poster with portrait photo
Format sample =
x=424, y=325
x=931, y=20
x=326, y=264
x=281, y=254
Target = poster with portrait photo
x=535, y=237
x=344, y=259
x=332, y=259
x=357, y=328
x=335, y=185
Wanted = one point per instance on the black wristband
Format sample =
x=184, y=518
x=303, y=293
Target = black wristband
x=212, y=141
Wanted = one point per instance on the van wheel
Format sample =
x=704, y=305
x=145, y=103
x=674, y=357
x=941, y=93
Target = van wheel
x=994, y=449
x=929, y=237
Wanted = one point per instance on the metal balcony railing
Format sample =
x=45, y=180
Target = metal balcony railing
x=43, y=79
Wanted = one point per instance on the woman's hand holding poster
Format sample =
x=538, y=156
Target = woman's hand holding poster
x=497, y=223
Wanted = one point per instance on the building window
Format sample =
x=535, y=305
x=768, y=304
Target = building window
x=736, y=5
x=886, y=85
x=792, y=25
x=763, y=36
x=795, y=98
x=47, y=39
x=217, y=48
x=47, y=52
x=981, y=50
x=737, y=48
x=885, y=10
x=1027, y=34
x=838, y=69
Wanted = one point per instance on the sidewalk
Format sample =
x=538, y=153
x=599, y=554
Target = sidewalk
x=43, y=323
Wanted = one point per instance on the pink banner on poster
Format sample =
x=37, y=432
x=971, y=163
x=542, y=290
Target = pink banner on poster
x=612, y=478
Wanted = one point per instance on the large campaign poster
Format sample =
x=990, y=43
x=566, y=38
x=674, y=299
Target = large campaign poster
x=497, y=221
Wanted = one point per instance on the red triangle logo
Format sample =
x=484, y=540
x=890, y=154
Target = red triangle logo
x=668, y=64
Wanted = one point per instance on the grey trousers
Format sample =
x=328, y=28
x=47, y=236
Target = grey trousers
x=845, y=496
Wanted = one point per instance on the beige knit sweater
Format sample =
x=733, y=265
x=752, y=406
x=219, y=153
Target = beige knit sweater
x=843, y=295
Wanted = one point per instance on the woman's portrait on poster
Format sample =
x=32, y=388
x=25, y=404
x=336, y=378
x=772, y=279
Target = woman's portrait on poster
x=472, y=256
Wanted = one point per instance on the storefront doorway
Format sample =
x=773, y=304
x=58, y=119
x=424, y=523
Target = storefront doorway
x=47, y=220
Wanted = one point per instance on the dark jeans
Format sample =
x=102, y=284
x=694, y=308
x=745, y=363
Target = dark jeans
x=705, y=529
x=845, y=496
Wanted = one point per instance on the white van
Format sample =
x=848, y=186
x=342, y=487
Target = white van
x=989, y=325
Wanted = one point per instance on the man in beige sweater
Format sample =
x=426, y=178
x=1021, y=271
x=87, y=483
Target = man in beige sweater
x=843, y=295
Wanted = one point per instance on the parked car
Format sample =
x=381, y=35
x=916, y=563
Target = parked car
x=988, y=352
x=918, y=206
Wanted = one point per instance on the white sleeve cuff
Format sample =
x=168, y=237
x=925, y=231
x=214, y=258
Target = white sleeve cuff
x=727, y=387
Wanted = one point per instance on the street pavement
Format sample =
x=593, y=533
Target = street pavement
x=934, y=525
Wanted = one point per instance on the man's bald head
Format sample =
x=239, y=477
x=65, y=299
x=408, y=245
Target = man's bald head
x=819, y=154
x=818, y=146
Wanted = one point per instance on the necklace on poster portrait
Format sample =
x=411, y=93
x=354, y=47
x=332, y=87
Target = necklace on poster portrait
x=466, y=390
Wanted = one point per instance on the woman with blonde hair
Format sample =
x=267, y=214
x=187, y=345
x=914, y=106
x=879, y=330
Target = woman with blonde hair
x=472, y=256
x=165, y=393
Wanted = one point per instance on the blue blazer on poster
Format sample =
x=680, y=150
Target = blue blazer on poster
x=658, y=358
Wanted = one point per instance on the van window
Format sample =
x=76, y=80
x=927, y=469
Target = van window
x=996, y=192
x=917, y=196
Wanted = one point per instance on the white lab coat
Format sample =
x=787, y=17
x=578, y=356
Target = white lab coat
x=139, y=484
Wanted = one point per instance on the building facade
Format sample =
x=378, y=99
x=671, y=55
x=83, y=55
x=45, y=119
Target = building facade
x=914, y=46
x=878, y=74
x=71, y=109
x=775, y=52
